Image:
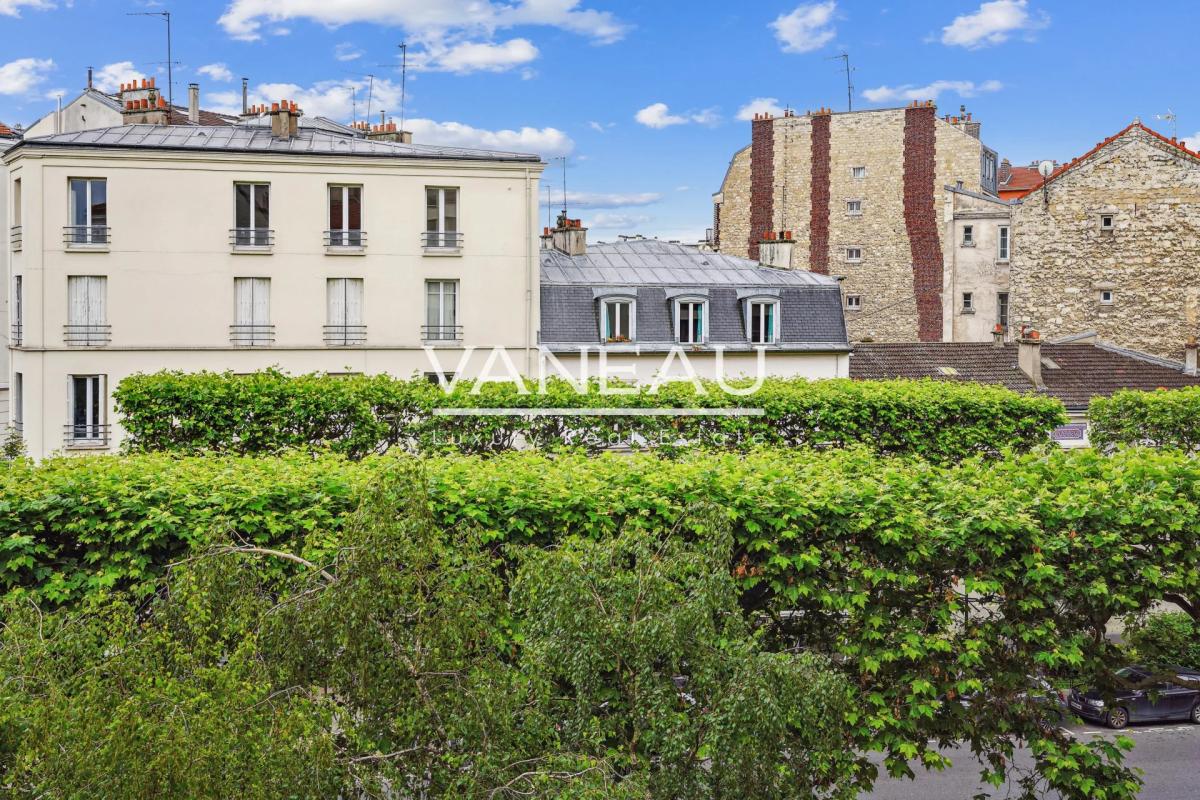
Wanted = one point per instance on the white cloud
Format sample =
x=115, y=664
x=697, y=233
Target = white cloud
x=346, y=51
x=466, y=57
x=110, y=77
x=992, y=24
x=683, y=188
x=659, y=116
x=54, y=94
x=760, y=105
x=893, y=94
x=807, y=28
x=601, y=127
x=218, y=72
x=608, y=199
x=22, y=75
x=243, y=19
x=606, y=220
x=1191, y=142
x=12, y=8
x=546, y=142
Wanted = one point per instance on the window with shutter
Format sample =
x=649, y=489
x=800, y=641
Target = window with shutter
x=441, y=311
x=344, y=297
x=252, y=312
x=87, y=323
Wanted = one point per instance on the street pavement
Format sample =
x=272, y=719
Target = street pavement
x=1168, y=754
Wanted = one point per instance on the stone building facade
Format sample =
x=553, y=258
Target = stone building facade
x=861, y=194
x=976, y=295
x=1111, y=246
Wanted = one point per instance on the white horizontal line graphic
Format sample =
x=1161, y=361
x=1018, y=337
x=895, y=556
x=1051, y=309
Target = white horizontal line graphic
x=598, y=412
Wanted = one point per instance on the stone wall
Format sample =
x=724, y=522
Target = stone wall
x=1062, y=260
x=976, y=267
x=813, y=161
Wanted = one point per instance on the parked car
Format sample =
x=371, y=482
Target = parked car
x=1161, y=701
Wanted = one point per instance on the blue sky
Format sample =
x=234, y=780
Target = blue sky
x=643, y=98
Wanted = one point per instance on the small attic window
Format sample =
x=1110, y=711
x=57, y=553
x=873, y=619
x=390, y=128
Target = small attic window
x=948, y=371
x=1106, y=222
x=1106, y=297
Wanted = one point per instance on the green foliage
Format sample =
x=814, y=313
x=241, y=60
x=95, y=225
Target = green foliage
x=1162, y=418
x=1164, y=640
x=13, y=445
x=406, y=668
x=268, y=412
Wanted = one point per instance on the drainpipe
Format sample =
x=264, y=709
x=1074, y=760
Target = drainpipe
x=528, y=276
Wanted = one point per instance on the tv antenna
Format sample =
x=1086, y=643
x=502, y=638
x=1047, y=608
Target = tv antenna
x=1169, y=117
x=403, y=65
x=846, y=68
x=166, y=15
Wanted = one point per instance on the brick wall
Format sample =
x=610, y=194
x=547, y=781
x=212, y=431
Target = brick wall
x=818, y=243
x=920, y=219
x=762, y=181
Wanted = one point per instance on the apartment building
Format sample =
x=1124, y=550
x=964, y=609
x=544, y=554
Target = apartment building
x=857, y=195
x=145, y=247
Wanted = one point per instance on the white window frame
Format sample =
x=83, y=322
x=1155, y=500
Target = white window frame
x=1003, y=243
x=96, y=399
x=854, y=302
x=18, y=401
x=17, y=328
x=252, y=237
x=15, y=231
x=854, y=259
x=1112, y=221
x=854, y=207
x=344, y=319
x=1112, y=296
x=968, y=236
x=677, y=317
x=856, y=174
x=442, y=239
x=1002, y=309
x=443, y=335
x=606, y=335
x=87, y=321
x=345, y=236
x=748, y=313
x=261, y=331
x=88, y=237
x=968, y=302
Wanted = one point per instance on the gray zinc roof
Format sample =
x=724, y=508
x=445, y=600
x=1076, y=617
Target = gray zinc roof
x=252, y=139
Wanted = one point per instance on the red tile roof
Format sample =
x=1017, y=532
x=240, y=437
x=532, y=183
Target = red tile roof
x=1021, y=180
x=6, y=131
x=1100, y=145
x=1080, y=371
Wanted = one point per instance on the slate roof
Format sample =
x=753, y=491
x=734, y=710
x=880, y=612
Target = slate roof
x=1074, y=373
x=810, y=307
x=254, y=139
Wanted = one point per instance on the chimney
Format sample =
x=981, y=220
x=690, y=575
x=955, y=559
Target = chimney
x=1029, y=357
x=1189, y=357
x=775, y=249
x=285, y=120
x=998, y=335
x=965, y=123
x=245, y=96
x=58, y=116
x=388, y=132
x=194, y=103
x=1005, y=171
x=89, y=77
x=547, y=239
x=142, y=104
x=569, y=236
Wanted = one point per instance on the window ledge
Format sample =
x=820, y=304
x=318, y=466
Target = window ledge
x=1002, y=260
x=85, y=444
x=968, y=244
x=967, y=311
x=345, y=250
x=251, y=249
x=86, y=248
x=442, y=251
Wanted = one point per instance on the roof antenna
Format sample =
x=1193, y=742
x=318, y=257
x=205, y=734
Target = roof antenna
x=170, y=83
x=1169, y=117
x=845, y=58
x=370, y=93
x=403, y=78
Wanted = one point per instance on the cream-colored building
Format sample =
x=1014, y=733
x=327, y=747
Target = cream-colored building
x=148, y=247
x=979, y=242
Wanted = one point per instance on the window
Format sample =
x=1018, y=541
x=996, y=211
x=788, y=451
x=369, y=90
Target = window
x=854, y=207
x=1002, y=246
x=436, y=379
x=1106, y=297
x=441, y=311
x=18, y=312
x=854, y=302
x=968, y=302
x=87, y=401
x=968, y=239
x=89, y=212
x=617, y=321
x=14, y=235
x=18, y=401
x=252, y=312
x=87, y=323
x=854, y=254
x=252, y=215
x=987, y=171
x=689, y=321
x=1002, y=309
x=345, y=303
x=1106, y=222
x=441, y=218
x=858, y=172
x=345, y=216
x=762, y=321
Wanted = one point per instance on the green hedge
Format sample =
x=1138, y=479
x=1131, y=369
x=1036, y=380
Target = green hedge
x=268, y=412
x=1165, y=418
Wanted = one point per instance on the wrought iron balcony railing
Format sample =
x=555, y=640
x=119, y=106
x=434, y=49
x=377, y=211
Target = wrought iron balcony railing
x=346, y=238
x=87, y=335
x=14, y=237
x=442, y=333
x=86, y=435
x=84, y=236
x=253, y=239
x=345, y=335
x=16, y=334
x=443, y=240
x=252, y=335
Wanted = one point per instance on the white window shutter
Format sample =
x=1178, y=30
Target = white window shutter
x=335, y=291
x=354, y=301
x=243, y=301
x=262, y=301
x=96, y=300
x=77, y=305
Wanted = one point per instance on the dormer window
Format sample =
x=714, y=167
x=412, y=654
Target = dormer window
x=617, y=320
x=691, y=319
x=762, y=320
